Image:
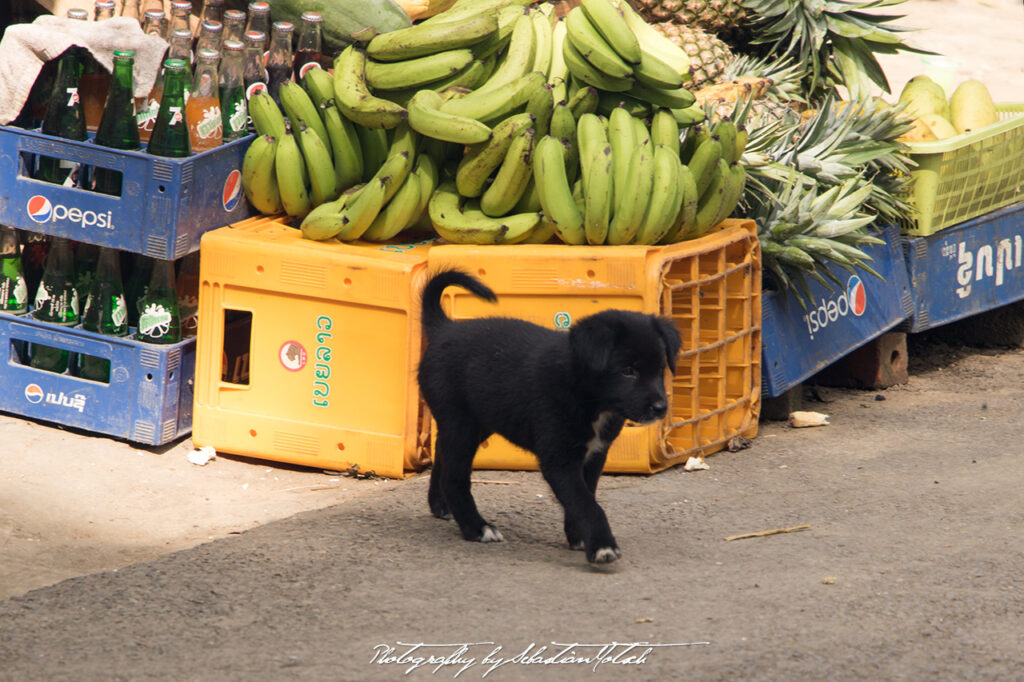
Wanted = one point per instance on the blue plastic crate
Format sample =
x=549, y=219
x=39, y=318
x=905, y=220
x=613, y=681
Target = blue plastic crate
x=799, y=343
x=966, y=269
x=148, y=399
x=165, y=207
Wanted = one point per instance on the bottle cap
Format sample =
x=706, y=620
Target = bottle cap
x=155, y=14
x=283, y=26
x=253, y=37
x=259, y=7
x=231, y=46
x=176, y=65
x=234, y=15
x=78, y=14
x=124, y=54
x=207, y=55
x=313, y=17
x=212, y=26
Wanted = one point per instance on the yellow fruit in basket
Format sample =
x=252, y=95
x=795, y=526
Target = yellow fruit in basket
x=919, y=133
x=923, y=96
x=971, y=107
x=939, y=126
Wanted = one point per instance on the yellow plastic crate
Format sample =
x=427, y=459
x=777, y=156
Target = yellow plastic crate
x=333, y=345
x=967, y=175
x=710, y=287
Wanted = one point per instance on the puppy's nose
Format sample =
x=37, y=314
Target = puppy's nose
x=659, y=407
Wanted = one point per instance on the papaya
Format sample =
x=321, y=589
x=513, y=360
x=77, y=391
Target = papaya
x=971, y=107
x=923, y=96
x=345, y=21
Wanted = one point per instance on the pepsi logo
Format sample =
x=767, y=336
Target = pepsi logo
x=232, y=192
x=40, y=209
x=857, y=296
x=251, y=91
x=306, y=67
x=33, y=393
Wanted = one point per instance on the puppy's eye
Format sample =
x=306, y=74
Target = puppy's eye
x=630, y=373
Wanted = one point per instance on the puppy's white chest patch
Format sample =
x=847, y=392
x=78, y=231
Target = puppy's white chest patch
x=597, y=444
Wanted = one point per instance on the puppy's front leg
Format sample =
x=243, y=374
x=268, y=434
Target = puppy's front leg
x=584, y=519
x=456, y=448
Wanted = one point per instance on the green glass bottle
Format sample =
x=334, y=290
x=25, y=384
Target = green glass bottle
x=105, y=312
x=159, y=319
x=118, y=128
x=56, y=302
x=139, y=271
x=170, y=132
x=65, y=118
x=13, y=292
x=86, y=257
x=233, y=109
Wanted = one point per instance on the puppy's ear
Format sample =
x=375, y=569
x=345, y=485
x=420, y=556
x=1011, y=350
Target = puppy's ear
x=592, y=342
x=671, y=338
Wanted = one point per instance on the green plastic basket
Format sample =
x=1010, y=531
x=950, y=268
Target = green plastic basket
x=967, y=175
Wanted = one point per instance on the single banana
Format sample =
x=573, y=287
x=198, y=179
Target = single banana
x=555, y=192
x=463, y=9
x=353, y=96
x=348, y=153
x=593, y=47
x=301, y=110
x=726, y=131
x=518, y=59
x=454, y=219
x=630, y=205
x=427, y=118
x=688, y=116
x=496, y=103
x=319, y=85
x=711, y=200
x=558, y=69
x=704, y=163
x=374, y=144
x=686, y=217
x=563, y=126
x=609, y=101
x=427, y=174
x=734, y=186
x=542, y=233
x=416, y=72
x=590, y=137
x=665, y=130
x=742, y=135
x=289, y=168
x=580, y=68
x=470, y=77
x=665, y=198
x=622, y=137
x=326, y=220
x=694, y=137
x=404, y=139
x=598, y=193
x=424, y=39
x=484, y=158
x=559, y=91
x=542, y=51
x=584, y=101
x=611, y=24
x=259, y=181
x=655, y=73
x=266, y=115
x=322, y=181
x=512, y=177
x=678, y=98
x=397, y=213
x=541, y=105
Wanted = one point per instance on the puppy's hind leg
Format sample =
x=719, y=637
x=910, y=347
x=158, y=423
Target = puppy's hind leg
x=435, y=496
x=456, y=447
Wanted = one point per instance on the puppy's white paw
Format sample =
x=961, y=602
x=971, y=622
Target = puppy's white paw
x=606, y=555
x=491, y=534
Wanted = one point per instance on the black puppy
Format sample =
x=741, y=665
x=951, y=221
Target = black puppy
x=562, y=396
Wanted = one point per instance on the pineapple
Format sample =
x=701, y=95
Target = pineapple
x=837, y=41
x=708, y=55
x=721, y=17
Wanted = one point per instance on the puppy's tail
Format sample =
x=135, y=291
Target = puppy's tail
x=433, y=314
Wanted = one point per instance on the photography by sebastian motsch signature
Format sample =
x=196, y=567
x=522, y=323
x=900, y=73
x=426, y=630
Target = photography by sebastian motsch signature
x=487, y=657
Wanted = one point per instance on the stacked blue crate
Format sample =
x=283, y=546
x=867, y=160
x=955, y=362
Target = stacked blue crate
x=165, y=207
x=797, y=343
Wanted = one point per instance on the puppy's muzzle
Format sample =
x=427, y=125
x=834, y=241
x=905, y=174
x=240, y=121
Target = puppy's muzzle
x=656, y=411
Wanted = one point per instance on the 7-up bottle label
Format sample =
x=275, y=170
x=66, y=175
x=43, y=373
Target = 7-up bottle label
x=155, y=321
